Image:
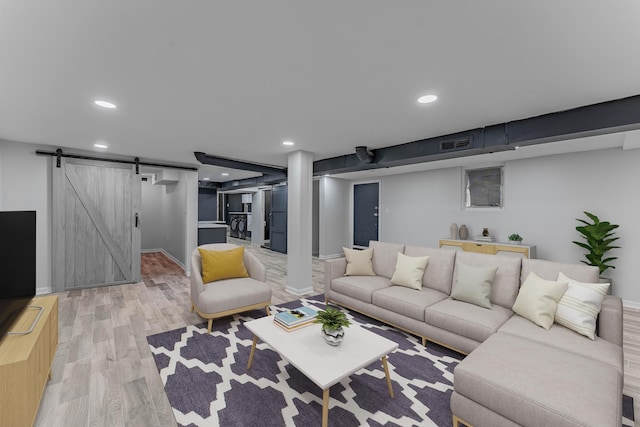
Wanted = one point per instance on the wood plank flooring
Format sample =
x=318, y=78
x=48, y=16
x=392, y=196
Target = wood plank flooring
x=103, y=373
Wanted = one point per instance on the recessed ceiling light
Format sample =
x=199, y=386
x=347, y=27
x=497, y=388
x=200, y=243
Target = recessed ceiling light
x=288, y=143
x=225, y=174
x=206, y=179
x=101, y=145
x=104, y=104
x=327, y=174
x=427, y=99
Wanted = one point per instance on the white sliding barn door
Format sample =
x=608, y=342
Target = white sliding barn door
x=96, y=234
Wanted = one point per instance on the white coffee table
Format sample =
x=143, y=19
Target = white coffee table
x=322, y=363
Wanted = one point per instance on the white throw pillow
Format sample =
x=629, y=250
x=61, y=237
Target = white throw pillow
x=359, y=262
x=538, y=299
x=473, y=284
x=409, y=271
x=580, y=305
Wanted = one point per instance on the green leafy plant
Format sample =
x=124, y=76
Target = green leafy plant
x=332, y=318
x=515, y=237
x=599, y=236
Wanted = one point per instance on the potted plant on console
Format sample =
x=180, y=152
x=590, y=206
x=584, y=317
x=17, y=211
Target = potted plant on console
x=599, y=236
x=515, y=238
x=332, y=320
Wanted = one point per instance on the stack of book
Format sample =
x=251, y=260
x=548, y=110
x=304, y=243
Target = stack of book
x=290, y=320
x=485, y=239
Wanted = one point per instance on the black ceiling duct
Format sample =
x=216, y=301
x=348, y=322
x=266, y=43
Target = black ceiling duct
x=363, y=154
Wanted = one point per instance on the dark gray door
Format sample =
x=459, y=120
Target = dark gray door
x=278, y=228
x=365, y=213
x=267, y=214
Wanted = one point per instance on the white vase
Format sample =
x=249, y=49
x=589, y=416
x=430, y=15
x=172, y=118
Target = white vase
x=333, y=336
x=453, y=228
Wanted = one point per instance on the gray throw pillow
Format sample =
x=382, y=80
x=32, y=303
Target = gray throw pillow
x=473, y=284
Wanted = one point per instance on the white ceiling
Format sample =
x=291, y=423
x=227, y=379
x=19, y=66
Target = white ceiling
x=236, y=78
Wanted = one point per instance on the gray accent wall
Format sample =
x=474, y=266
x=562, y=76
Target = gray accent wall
x=333, y=219
x=543, y=198
x=315, y=218
x=26, y=185
x=169, y=217
x=151, y=216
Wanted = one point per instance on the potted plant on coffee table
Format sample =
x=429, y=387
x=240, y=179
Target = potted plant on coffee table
x=599, y=236
x=332, y=320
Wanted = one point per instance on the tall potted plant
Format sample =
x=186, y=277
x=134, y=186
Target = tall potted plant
x=599, y=236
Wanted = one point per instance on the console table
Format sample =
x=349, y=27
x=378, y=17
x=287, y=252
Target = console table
x=492, y=248
x=25, y=362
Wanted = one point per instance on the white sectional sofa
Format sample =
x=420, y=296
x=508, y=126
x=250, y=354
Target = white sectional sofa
x=515, y=372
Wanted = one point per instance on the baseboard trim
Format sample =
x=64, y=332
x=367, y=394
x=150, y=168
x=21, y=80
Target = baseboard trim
x=299, y=292
x=333, y=256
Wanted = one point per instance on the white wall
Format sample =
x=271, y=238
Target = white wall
x=26, y=185
x=25, y=180
x=168, y=221
x=543, y=198
x=257, y=221
x=333, y=222
x=190, y=180
x=315, y=218
x=151, y=216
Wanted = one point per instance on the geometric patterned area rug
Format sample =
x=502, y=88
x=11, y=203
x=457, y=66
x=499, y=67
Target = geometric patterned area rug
x=207, y=383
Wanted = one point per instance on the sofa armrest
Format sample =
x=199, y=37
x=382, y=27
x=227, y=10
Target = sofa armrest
x=610, y=320
x=333, y=268
x=255, y=268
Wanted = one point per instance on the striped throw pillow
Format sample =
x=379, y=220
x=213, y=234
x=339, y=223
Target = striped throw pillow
x=580, y=305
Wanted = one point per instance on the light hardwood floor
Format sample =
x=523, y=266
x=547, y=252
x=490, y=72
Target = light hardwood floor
x=104, y=375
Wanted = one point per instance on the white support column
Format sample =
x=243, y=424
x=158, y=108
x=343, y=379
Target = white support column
x=299, y=217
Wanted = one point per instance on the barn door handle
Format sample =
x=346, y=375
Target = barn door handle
x=137, y=220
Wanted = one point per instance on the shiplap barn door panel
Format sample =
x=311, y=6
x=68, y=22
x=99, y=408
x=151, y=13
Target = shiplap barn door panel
x=95, y=235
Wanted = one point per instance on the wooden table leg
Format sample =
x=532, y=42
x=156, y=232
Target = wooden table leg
x=253, y=350
x=386, y=372
x=325, y=407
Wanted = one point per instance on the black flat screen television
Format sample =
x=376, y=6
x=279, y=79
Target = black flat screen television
x=17, y=265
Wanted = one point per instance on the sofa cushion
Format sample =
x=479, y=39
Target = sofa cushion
x=542, y=385
x=231, y=294
x=359, y=287
x=409, y=271
x=549, y=270
x=219, y=265
x=559, y=337
x=384, y=257
x=439, y=272
x=507, y=281
x=473, y=285
x=466, y=319
x=409, y=302
x=538, y=299
x=579, y=306
x=358, y=262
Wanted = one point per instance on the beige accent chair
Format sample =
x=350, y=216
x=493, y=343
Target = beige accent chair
x=229, y=296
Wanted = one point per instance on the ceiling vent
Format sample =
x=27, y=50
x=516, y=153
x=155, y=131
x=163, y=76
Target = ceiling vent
x=363, y=154
x=456, y=144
